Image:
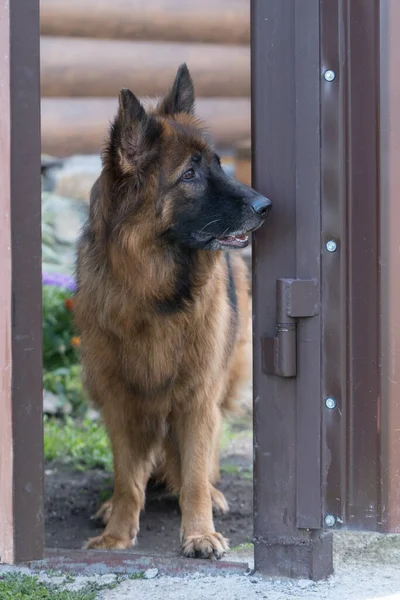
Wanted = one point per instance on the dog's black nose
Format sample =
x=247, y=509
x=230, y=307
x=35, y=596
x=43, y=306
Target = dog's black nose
x=261, y=205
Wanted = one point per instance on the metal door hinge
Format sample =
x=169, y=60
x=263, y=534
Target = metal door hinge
x=295, y=298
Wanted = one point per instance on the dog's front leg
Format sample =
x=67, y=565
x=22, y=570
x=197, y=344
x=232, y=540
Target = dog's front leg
x=133, y=442
x=198, y=426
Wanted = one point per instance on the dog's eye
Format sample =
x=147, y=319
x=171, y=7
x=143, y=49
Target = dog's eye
x=190, y=174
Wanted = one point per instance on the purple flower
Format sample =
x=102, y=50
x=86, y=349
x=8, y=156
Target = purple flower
x=59, y=280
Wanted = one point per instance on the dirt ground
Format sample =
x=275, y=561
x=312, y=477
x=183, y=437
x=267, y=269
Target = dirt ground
x=72, y=497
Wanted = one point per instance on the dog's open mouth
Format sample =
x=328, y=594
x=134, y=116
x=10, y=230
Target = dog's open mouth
x=234, y=241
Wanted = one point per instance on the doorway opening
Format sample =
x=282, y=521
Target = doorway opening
x=84, y=63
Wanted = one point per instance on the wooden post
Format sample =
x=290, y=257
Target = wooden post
x=21, y=439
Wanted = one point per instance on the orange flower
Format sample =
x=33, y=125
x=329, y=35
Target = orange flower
x=76, y=341
x=69, y=303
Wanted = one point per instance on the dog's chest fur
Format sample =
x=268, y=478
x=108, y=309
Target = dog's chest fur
x=158, y=351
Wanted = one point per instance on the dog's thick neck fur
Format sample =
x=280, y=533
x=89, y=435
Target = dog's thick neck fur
x=153, y=271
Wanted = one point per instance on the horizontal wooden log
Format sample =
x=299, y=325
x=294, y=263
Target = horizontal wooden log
x=80, y=125
x=85, y=67
x=216, y=21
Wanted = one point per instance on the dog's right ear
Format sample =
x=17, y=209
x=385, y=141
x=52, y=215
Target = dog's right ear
x=130, y=109
x=137, y=133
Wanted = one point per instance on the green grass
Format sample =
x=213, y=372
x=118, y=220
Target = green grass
x=81, y=445
x=243, y=547
x=25, y=587
x=236, y=470
x=84, y=445
x=234, y=429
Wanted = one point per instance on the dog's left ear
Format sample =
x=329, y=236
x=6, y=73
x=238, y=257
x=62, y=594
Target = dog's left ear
x=181, y=96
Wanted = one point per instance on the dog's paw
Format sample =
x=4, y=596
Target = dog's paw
x=108, y=542
x=211, y=545
x=220, y=504
x=104, y=512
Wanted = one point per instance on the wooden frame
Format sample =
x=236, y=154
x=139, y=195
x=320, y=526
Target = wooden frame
x=331, y=169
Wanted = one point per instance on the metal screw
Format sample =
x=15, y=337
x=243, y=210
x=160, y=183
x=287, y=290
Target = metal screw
x=330, y=403
x=331, y=246
x=329, y=75
x=330, y=520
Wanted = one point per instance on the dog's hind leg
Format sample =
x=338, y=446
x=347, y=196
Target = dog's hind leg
x=219, y=501
x=104, y=512
x=171, y=473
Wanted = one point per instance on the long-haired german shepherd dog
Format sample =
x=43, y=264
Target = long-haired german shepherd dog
x=163, y=311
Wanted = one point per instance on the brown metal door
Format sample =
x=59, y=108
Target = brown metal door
x=326, y=141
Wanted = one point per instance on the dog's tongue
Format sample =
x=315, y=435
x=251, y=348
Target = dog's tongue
x=234, y=240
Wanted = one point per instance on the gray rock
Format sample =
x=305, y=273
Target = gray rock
x=67, y=225
x=151, y=573
x=62, y=220
x=304, y=583
x=76, y=176
x=93, y=414
x=52, y=405
x=49, y=167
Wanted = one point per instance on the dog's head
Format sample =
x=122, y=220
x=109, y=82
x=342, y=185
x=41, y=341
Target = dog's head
x=161, y=161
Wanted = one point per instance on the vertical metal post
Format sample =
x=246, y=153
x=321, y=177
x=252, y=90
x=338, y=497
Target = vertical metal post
x=21, y=437
x=360, y=186
x=350, y=277
x=389, y=120
x=326, y=141
x=289, y=540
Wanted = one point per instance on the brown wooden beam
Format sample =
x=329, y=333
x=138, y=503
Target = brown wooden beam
x=79, y=125
x=89, y=67
x=222, y=22
x=21, y=439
